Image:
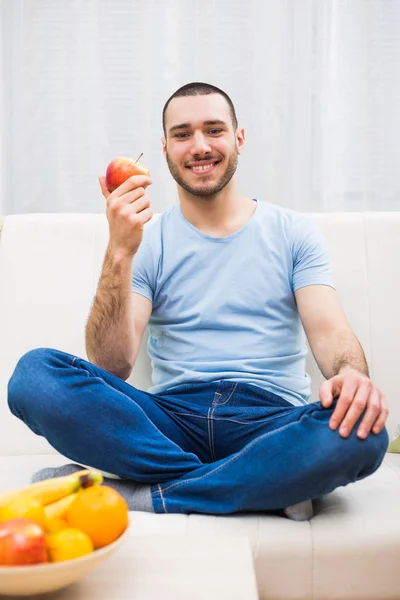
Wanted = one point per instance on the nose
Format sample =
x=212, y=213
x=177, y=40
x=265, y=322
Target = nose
x=199, y=144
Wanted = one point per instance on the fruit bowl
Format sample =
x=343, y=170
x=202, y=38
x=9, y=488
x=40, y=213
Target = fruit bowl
x=49, y=577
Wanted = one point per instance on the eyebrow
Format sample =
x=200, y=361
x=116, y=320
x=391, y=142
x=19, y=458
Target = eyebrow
x=187, y=125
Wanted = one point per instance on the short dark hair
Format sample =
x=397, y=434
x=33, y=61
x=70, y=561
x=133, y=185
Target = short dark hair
x=197, y=88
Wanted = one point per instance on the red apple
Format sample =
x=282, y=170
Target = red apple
x=22, y=542
x=120, y=169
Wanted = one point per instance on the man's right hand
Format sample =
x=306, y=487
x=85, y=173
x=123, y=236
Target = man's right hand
x=128, y=209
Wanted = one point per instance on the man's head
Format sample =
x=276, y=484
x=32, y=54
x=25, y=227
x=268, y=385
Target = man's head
x=198, y=88
x=202, y=140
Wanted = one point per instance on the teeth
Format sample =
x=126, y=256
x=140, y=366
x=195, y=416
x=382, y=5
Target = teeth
x=202, y=167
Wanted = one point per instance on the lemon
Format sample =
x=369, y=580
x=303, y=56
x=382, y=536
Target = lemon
x=55, y=524
x=68, y=544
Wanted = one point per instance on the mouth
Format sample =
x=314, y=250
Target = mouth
x=203, y=168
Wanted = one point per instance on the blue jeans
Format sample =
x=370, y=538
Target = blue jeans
x=217, y=448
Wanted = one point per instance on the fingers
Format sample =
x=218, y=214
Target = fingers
x=116, y=203
x=382, y=416
x=326, y=392
x=142, y=217
x=359, y=397
x=371, y=414
x=365, y=396
x=136, y=206
x=375, y=416
x=128, y=209
x=104, y=189
x=345, y=399
x=132, y=183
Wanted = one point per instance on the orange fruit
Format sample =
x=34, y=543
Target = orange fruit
x=25, y=507
x=56, y=524
x=101, y=512
x=68, y=544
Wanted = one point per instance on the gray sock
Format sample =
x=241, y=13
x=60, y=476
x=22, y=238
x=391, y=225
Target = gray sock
x=136, y=495
x=302, y=511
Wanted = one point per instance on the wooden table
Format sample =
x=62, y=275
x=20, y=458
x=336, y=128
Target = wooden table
x=171, y=568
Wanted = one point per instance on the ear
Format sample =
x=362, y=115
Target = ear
x=240, y=140
x=164, y=146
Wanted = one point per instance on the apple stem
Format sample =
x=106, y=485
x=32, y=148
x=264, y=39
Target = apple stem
x=139, y=157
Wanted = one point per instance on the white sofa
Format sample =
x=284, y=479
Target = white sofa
x=49, y=268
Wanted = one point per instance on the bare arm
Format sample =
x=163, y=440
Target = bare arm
x=332, y=341
x=118, y=318
x=341, y=360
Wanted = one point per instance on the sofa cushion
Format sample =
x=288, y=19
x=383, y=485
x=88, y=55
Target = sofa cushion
x=49, y=269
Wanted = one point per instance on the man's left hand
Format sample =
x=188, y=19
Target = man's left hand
x=355, y=392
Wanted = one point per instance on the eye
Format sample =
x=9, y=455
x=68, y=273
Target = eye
x=215, y=131
x=180, y=135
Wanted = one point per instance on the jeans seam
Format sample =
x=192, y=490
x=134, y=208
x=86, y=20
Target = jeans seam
x=216, y=418
x=215, y=402
x=210, y=431
x=230, y=395
x=263, y=420
x=212, y=436
x=234, y=458
x=162, y=497
x=183, y=414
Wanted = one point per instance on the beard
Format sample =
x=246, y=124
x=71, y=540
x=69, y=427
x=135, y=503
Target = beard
x=203, y=188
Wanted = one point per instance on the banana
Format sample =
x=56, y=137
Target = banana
x=51, y=490
x=56, y=510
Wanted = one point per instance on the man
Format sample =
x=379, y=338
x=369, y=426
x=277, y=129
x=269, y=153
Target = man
x=226, y=284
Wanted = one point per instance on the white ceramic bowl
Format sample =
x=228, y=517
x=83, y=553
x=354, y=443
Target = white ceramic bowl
x=49, y=577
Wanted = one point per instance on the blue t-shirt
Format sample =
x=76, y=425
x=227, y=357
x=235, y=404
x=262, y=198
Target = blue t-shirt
x=224, y=308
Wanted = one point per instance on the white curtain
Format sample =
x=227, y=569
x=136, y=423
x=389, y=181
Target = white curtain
x=316, y=85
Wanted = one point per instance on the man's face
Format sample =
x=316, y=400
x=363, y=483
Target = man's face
x=201, y=147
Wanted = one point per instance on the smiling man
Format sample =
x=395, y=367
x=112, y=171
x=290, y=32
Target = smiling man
x=220, y=171
x=229, y=288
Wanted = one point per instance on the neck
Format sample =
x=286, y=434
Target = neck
x=219, y=215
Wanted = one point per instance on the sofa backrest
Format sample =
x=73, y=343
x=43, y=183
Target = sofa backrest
x=50, y=265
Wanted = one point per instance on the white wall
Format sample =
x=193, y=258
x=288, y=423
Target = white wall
x=316, y=84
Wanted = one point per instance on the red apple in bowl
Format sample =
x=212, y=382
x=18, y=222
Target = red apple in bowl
x=121, y=168
x=22, y=542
